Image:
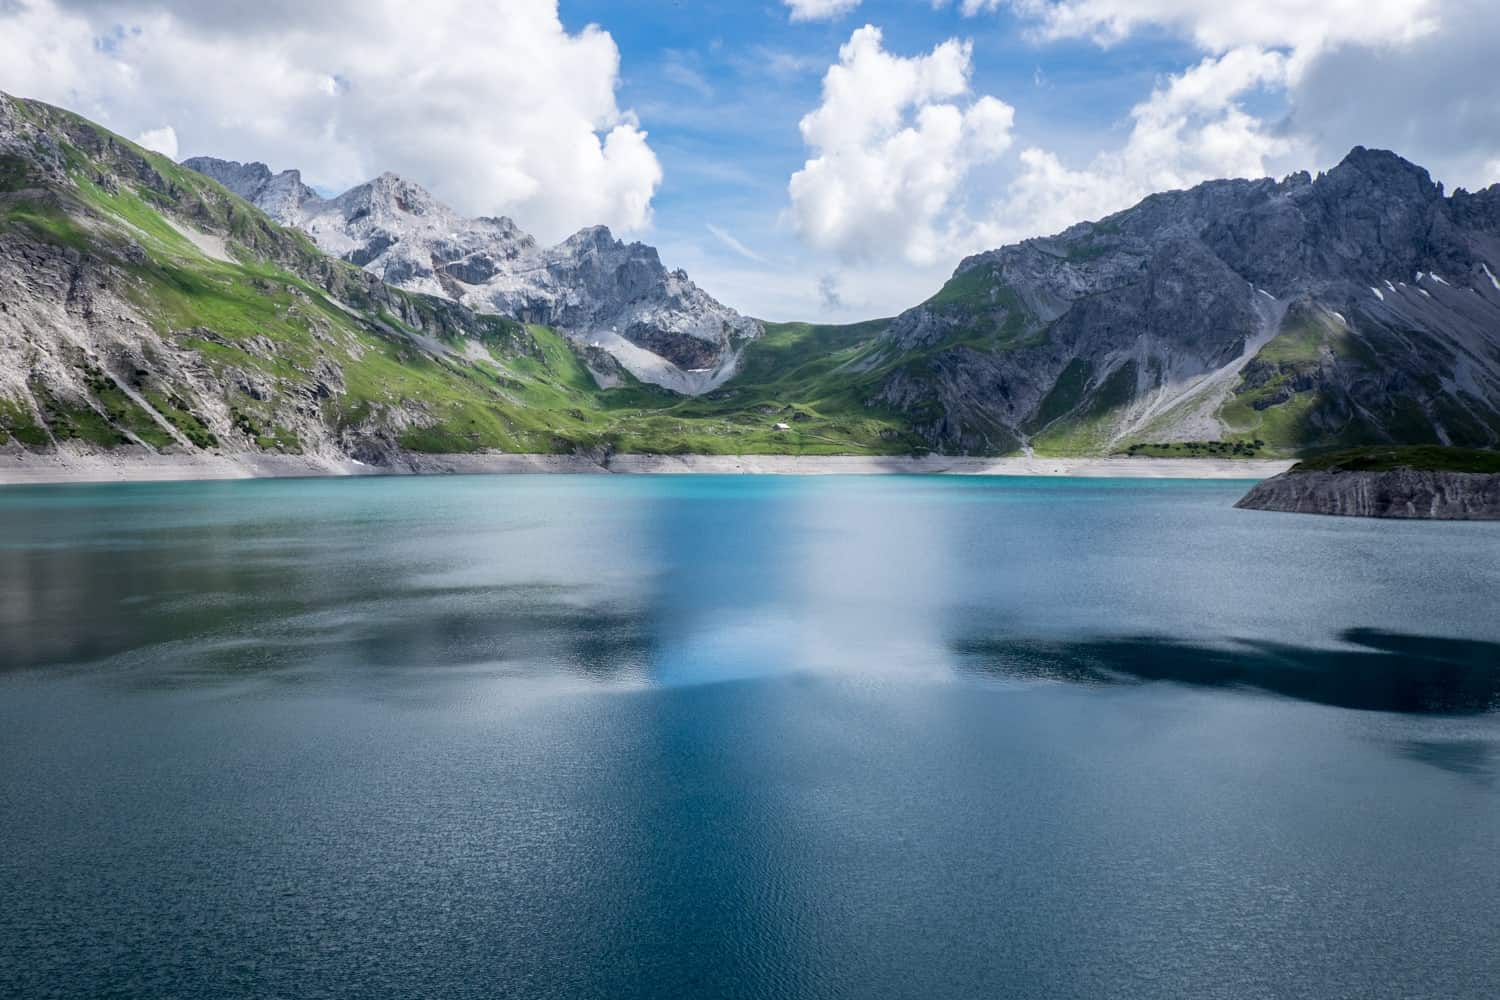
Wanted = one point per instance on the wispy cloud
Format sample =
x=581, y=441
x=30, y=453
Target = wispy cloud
x=780, y=64
x=679, y=69
x=828, y=291
x=819, y=10
x=727, y=238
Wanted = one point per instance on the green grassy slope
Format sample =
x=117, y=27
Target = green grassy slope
x=285, y=330
x=1424, y=458
x=169, y=314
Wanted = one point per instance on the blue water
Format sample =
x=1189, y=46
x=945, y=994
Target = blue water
x=744, y=737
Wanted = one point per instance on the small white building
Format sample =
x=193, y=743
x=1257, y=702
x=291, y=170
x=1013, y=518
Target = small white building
x=783, y=427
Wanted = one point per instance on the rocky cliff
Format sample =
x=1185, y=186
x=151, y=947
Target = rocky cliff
x=1399, y=493
x=606, y=294
x=1361, y=305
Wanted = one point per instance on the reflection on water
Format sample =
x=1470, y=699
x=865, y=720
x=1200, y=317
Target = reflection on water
x=697, y=579
x=1386, y=673
x=700, y=736
x=1471, y=758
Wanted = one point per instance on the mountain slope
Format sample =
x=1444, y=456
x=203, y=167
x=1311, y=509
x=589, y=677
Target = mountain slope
x=145, y=308
x=148, y=308
x=1357, y=307
x=655, y=323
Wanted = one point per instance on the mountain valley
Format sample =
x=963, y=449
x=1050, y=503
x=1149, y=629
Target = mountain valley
x=213, y=306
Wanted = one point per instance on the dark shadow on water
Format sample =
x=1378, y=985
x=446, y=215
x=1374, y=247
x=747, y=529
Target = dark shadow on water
x=371, y=632
x=1387, y=672
x=1468, y=758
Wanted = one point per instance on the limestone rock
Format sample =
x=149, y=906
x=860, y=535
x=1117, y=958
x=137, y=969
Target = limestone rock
x=658, y=324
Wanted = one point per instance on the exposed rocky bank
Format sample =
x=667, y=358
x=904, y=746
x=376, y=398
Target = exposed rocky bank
x=125, y=465
x=1396, y=493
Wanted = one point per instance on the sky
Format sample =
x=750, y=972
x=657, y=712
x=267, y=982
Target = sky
x=825, y=160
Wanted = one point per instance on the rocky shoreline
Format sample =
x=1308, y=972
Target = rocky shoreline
x=124, y=466
x=1394, y=493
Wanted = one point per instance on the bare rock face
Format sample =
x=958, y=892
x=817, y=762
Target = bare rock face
x=278, y=195
x=1360, y=306
x=1399, y=493
x=604, y=293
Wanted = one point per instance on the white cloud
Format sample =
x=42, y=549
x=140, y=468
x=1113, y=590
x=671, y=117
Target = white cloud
x=892, y=146
x=1415, y=76
x=1191, y=129
x=895, y=175
x=727, y=238
x=495, y=110
x=162, y=140
x=1432, y=99
x=1230, y=24
x=819, y=10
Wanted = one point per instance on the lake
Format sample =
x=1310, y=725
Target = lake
x=703, y=736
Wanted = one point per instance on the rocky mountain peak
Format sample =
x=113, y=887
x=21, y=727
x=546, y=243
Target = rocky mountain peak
x=599, y=290
x=1385, y=170
x=244, y=179
x=388, y=195
x=592, y=238
x=281, y=196
x=1352, y=306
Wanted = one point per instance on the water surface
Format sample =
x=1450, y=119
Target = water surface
x=749, y=737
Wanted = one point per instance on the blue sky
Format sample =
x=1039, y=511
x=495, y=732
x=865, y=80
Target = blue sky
x=720, y=88
x=830, y=168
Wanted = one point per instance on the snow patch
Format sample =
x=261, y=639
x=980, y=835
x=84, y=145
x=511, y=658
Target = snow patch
x=1340, y=317
x=1491, y=275
x=1389, y=285
x=1266, y=294
x=1438, y=278
x=1377, y=292
x=1425, y=292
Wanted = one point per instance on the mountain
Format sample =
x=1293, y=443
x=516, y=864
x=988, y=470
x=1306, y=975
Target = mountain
x=614, y=296
x=1360, y=306
x=148, y=308
x=145, y=308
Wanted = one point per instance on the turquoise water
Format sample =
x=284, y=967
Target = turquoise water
x=747, y=737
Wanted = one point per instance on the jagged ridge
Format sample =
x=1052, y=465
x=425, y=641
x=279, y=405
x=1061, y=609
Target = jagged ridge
x=614, y=296
x=1358, y=306
x=147, y=308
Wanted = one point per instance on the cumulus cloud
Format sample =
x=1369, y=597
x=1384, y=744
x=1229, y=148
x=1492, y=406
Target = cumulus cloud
x=893, y=141
x=1191, y=129
x=498, y=111
x=895, y=171
x=1432, y=98
x=1412, y=75
x=819, y=10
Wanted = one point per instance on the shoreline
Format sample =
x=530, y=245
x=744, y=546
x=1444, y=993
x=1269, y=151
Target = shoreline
x=37, y=469
x=1401, y=494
